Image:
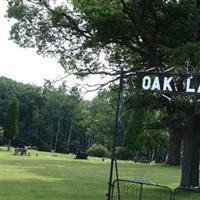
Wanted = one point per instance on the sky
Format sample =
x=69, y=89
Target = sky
x=24, y=65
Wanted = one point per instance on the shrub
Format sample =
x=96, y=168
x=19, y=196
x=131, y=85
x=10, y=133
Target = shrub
x=123, y=153
x=98, y=150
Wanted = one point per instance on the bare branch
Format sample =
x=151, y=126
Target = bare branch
x=100, y=86
x=85, y=72
x=61, y=78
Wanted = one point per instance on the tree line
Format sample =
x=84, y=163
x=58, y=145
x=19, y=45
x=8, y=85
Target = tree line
x=49, y=118
x=59, y=119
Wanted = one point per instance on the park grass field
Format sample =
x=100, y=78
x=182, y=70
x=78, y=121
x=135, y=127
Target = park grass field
x=51, y=176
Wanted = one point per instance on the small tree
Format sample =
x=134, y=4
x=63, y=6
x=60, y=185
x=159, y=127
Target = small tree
x=11, y=121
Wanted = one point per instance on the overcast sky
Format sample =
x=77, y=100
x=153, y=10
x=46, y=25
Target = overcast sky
x=24, y=65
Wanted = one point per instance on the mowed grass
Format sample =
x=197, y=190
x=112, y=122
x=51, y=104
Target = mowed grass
x=51, y=176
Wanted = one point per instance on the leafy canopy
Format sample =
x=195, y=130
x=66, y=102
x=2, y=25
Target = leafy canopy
x=132, y=33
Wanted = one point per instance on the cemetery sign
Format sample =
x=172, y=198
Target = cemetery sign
x=166, y=84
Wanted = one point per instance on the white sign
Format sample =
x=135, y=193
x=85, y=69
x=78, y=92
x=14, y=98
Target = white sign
x=165, y=84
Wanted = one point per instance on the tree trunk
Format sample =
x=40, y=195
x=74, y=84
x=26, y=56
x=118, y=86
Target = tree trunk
x=174, y=152
x=69, y=136
x=84, y=142
x=153, y=155
x=175, y=136
x=36, y=135
x=57, y=133
x=67, y=130
x=9, y=144
x=51, y=130
x=190, y=166
x=51, y=142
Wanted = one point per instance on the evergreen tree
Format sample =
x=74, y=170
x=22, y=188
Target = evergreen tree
x=11, y=121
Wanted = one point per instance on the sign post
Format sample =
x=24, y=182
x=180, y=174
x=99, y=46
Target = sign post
x=182, y=82
x=115, y=134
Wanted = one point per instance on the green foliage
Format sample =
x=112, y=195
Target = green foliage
x=124, y=153
x=137, y=33
x=52, y=118
x=102, y=109
x=154, y=139
x=98, y=150
x=16, y=10
x=46, y=114
x=11, y=120
x=144, y=121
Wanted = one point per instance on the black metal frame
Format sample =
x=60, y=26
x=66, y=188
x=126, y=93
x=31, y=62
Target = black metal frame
x=172, y=194
x=115, y=134
x=142, y=184
x=184, y=71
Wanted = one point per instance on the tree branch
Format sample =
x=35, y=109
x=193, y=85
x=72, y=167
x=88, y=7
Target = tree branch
x=71, y=21
x=131, y=15
x=100, y=86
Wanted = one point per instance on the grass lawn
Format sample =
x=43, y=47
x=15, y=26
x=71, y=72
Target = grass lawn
x=51, y=176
